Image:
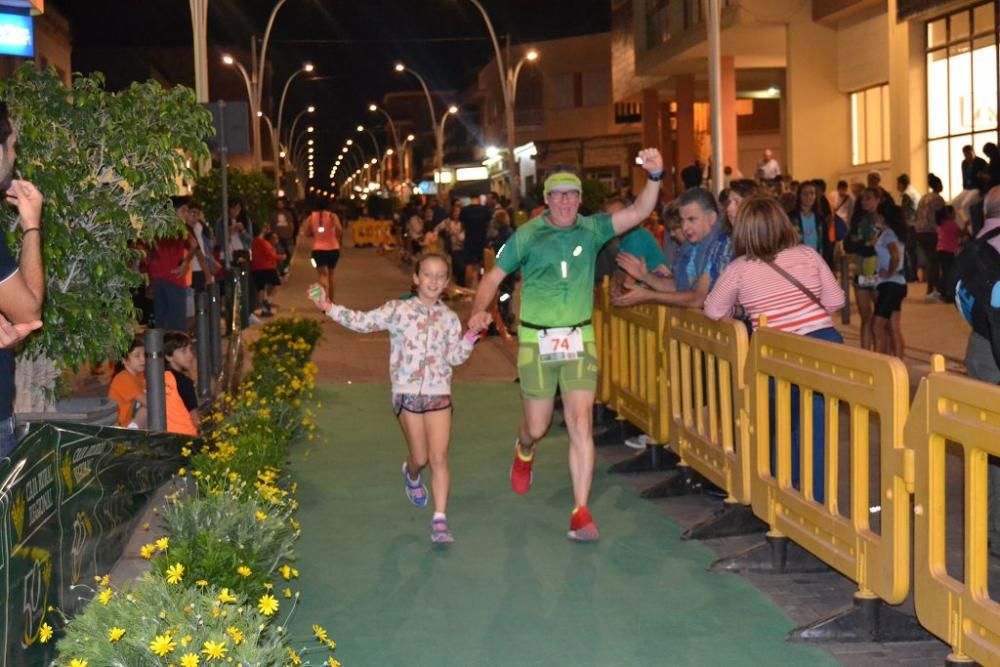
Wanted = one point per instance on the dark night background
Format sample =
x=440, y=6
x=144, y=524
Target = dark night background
x=353, y=45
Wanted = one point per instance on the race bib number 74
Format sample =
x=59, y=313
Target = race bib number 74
x=564, y=344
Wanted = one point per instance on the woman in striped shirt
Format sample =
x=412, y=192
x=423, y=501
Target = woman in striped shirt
x=763, y=237
x=774, y=275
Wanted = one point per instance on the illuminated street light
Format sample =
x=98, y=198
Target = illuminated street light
x=438, y=133
x=307, y=68
x=508, y=85
x=392, y=128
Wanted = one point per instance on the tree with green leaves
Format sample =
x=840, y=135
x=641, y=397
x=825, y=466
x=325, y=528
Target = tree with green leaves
x=107, y=164
x=253, y=188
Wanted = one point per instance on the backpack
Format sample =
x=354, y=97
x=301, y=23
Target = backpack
x=974, y=282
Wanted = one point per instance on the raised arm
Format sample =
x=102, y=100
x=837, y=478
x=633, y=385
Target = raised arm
x=629, y=217
x=22, y=294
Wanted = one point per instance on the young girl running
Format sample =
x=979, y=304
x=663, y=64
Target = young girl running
x=425, y=342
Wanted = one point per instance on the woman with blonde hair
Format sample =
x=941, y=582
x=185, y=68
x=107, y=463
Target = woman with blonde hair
x=772, y=274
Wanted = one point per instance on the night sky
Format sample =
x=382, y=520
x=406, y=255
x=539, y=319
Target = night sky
x=353, y=43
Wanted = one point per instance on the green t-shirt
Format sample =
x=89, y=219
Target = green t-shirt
x=641, y=243
x=557, y=271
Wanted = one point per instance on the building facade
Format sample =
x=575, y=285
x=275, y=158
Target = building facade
x=836, y=88
x=563, y=114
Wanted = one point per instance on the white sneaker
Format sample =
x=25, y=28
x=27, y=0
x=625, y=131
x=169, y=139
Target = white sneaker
x=638, y=442
x=934, y=297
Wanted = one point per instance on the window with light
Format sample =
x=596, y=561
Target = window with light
x=870, y=125
x=961, y=90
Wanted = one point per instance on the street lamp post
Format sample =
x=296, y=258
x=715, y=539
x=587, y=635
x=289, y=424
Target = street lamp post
x=295, y=122
x=438, y=133
x=375, y=160
x=381, y=167
x=407, y=163
x=258, y=77
x=439, y=139
x=508, y=83
x=392, y=127
x=284, y=92
x=274, y=150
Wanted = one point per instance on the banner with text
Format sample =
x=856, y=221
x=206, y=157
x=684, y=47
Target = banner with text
x=69, y=499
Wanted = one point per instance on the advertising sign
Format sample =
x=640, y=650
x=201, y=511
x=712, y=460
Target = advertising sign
x=17, y=35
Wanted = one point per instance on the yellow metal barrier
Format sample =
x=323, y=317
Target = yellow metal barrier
x=368, y=232
x=952, y=408
x=707, y=390
x=866, y=383
x=601, y=320
x=638, y=368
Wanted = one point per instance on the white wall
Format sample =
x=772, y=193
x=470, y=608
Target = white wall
x=862, y=54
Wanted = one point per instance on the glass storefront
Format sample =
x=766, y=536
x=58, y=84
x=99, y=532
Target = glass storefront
x=961, y=89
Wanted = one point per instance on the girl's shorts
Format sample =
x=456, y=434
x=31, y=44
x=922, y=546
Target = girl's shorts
x=419, y=403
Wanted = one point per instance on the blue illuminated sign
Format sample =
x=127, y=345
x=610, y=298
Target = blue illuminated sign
x=17, y=35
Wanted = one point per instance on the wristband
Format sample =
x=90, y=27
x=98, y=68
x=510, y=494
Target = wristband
x=655, y=175
x=33, y=229
x=471, y=337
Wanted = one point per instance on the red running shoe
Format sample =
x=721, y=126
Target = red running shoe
x=582, y=527
x=520, y=470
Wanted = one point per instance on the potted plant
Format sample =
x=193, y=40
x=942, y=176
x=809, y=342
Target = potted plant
x=107, y=164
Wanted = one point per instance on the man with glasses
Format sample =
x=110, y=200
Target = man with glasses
x=555, y=253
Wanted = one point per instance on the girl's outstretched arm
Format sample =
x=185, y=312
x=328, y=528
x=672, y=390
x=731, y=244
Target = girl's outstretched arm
x=380, y=319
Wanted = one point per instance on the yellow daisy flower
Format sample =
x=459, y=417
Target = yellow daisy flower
x=293, y=656
x=147, y=551
x=244, y=571
x=114, y=634
x=320, y=633
x=163, y=544
x=225, y=596
x=105, y=596
x=214, y=650
x=77, y=662
x=162, y=645
x=236, y=634
x=190, y=660
x=45, y=633
x=175, y=573
x=268, y=604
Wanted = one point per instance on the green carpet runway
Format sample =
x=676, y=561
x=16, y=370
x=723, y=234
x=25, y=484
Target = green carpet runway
x=512, y=590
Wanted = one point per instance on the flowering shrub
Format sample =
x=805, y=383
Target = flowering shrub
x=221, y=578
x=235, y=545
x=158, y=623
x=251, y=430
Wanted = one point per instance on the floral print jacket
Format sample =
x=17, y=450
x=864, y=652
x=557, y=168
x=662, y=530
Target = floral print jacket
x=424, y=342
